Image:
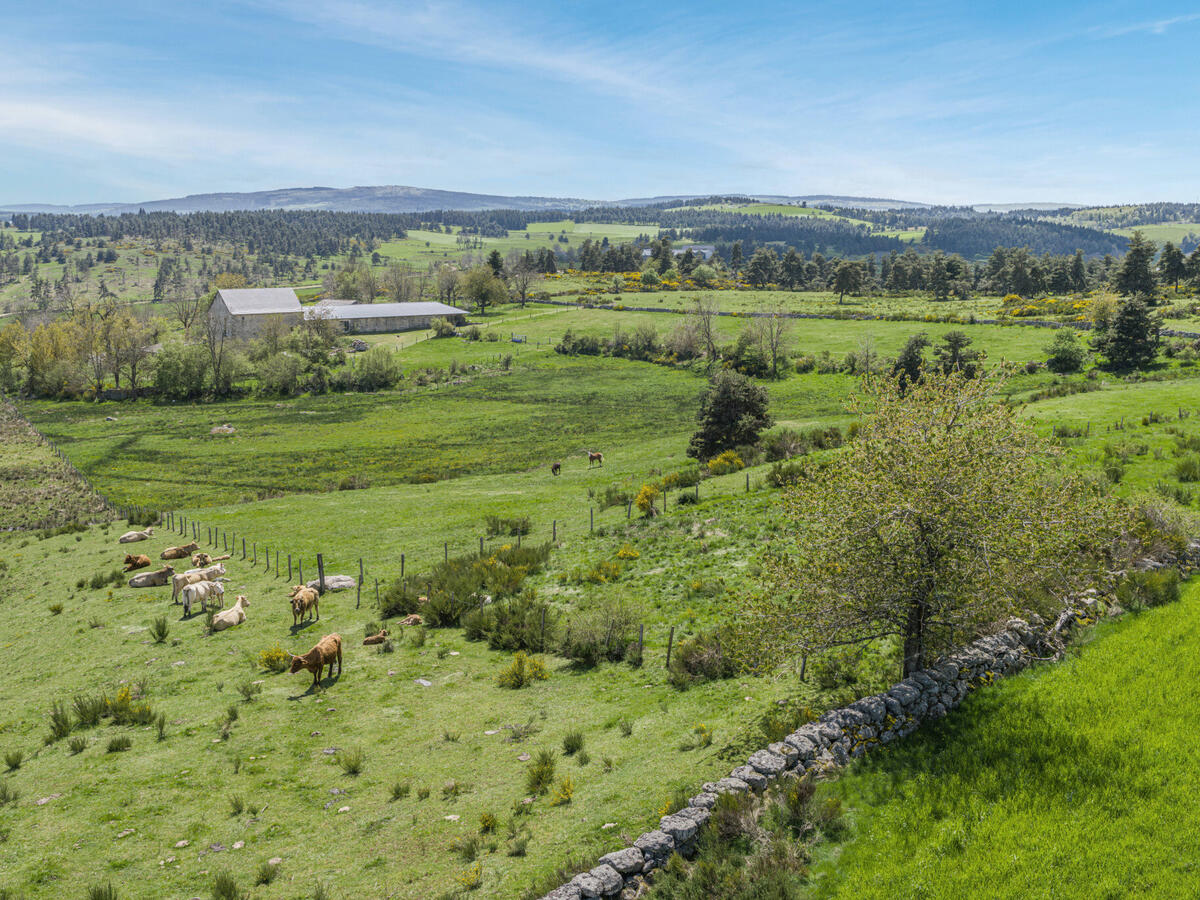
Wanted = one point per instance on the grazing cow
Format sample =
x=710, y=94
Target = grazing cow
x=323, y=654
x=556, y=468
x=595, y=456
x=305, y=601
x=194, y=576
x=131, y=537
x=235, y=615
x=180, y=552
x=152, y=579
x=136, y=562
x=202, y=591
x=376, y=638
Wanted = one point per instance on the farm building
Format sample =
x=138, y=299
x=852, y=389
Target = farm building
x=362, y=318
x=241, y=312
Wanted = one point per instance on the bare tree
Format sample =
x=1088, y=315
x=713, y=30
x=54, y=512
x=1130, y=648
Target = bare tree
x=447, y=283
x=521, y=277
x=131, y=342
x=705, y=313
x=186, y=300
x=219, y=358
x=398, y=282
x=771, y=333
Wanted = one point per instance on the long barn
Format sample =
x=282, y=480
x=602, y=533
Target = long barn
x=365, y=318
x=241, y=312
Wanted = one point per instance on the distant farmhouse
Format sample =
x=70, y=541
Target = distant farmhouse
x=703, y=250
x=365, y=318
x=241, y=312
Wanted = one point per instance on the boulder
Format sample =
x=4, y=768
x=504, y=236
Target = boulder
x=681, y=828
x=628, y=861
x=335, y=583
x=752, y=777
x=566, y=892
x=610, y=879
x=655, y=844
x=768, y=763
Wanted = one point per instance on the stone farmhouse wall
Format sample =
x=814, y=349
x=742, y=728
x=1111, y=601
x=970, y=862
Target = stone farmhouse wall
x=843, y=734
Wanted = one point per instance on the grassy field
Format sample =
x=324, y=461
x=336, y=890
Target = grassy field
x=1074, y=780
x=1164, y=231
x=139, y=804
x=36, y=487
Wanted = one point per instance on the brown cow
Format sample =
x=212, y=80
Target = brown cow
x=136, y=562
x=305, y=600
x=555, y=468
x=202, y=559
x=595, y=456
x=323, y=654
x=376, y=638
x=180, y=552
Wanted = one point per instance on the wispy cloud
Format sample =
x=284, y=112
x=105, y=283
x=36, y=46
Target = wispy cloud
x=1151, y=26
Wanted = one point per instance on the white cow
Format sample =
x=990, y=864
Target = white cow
x=130, y=537
x=203, y=591
x=193, y=576
x=235, y=615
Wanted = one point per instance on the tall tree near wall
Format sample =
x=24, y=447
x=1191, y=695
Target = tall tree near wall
x=947, y=513
x=1136, y=275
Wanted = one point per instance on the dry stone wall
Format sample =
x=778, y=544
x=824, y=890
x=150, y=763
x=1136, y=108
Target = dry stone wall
x=843, y=734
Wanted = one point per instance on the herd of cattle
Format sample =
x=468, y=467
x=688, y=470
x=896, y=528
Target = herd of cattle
x=202, y=584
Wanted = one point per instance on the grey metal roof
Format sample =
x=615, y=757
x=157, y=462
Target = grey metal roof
x=260, y=301
x=386, y=310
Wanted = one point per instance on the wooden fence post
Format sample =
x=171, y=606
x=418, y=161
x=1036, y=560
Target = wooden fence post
x=243, y=548
x=300, y=563
x=289, y=568
x=747, y=482
x=555, y=531
x=401, y=565
x=591, y=518
x=276, y=563
x=481, y=545
x=376, y=591
x=670, y=642
x=358, y=587
x=209, y=541
x=224, y=541
x=254, y=547
x=267, y=554
x=446, y=551
x=641, y=637
x=320, y=574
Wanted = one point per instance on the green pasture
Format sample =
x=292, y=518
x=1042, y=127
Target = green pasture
x=95, y=816
x=1072, y=780
x=1162, y=232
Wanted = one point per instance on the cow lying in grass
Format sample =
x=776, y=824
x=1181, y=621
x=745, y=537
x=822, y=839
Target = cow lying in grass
x=235, y=615
x=194, y=576
x=132, y=562
x=202, y=559
x=203, y=591
x=152, y=579
x=305, y=601
x=180, y=552
x=131, y=537
x=378, y=638
x=327, y=649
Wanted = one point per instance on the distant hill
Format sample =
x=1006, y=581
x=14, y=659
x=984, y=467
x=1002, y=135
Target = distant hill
x=395, y=198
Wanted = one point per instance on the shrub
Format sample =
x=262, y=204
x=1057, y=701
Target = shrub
x=225, y=887
x=422, y=793
x=352, y=760
x=1143, y=589
x=1188, y=468
x=701, y=659
x=784, y=474
x=102, y=892
x=471, y=878
x=159, y=629
x=442, y=327
x=487, y=823
x=572, y=743
x=273, y=659
x=647, y=497
x=522, y=671
x=400, y=790
x=119, y=744
x=512, y=526
x=60, y=721
x=540, y=774
x=249, y=690
x=13, y=759
x=7, y=794
x=237, y=804
x=607, y=631
x=160, y=727
x=724, y=463
x=521, y=623
x=1066, y=352
x=563, y=792
x=267, y=872
x=77, y=745
x=626, y=727
x=88, y=710
x=56, y=609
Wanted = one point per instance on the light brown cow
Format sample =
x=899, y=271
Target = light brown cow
x=180, y=552
x=194, y=576
x=326, y=650
x=379, y=638
x=131, y=537
x=132, y=562
x=235, y=615
x=202, y=559
x=152, y=579
x=305, y=601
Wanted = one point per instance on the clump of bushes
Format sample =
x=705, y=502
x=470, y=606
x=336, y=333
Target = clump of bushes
x=540, y=774
x=273, y=659
x=605, y=632
x=119, y=744
x=701, y=658
x=724, y=463
x=511, y=526
x=1140, y=590
x=519, y=623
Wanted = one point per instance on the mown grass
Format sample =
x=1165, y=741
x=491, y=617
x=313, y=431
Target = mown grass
x=1074, y=780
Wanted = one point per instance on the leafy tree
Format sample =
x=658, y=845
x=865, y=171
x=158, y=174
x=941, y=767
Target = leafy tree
x=945, y=515
x=482, y=288
x=1135, y=275
x=910, y=364
x=736, y=258
x=1131, y=341
x=1172, y=266
x=953, y=355
x=733, y=412
x=848, y=279
x=939, y=277
x=1067, y=353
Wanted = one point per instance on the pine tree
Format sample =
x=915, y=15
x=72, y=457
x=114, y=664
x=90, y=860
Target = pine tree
x=1132, y=340
x=1172, y=266
x=1135, y=275
x=1078, y=273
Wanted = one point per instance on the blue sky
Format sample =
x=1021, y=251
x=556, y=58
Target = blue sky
x=943, y=102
